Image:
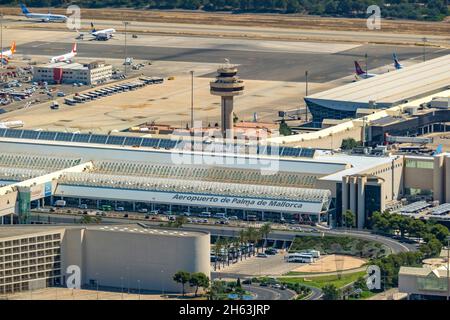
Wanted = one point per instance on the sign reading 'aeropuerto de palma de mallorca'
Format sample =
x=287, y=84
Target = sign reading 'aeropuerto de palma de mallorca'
x=249, y=203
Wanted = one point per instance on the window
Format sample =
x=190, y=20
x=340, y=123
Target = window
x=411, y=163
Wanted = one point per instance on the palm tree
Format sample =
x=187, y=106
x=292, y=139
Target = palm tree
x=228, y=243
x=242, y=240
x=237, y=248
x=217, y=249
x=265, y=230
x=252, y=235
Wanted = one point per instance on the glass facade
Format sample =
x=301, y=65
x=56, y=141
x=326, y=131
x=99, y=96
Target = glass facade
x=372, y=200
x=432, y=283
x=319, y=112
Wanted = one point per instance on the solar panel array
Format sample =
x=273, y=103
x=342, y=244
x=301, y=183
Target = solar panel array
x=414, y=207
x=441, y=209
x=150, y=142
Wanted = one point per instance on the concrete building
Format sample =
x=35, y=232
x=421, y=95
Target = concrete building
x=382, y=91
x=429, y=282
x=227, y=85
x=61, y=72
x=412, y=118
x=120, y=256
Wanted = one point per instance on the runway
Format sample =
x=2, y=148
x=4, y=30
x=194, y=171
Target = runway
x=254, y=64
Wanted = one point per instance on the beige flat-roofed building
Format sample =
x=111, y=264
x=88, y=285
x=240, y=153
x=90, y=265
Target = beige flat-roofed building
x=128, y=257
x=61, y=72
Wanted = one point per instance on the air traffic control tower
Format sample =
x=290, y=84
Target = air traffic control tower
x=227, y=85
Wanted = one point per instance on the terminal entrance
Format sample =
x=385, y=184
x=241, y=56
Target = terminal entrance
x=164, y=208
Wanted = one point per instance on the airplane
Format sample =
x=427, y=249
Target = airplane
x=44, y=17
x=65, y=57
x=397, y=64
x=6, y=55
x=101, y=35
x=362, y=74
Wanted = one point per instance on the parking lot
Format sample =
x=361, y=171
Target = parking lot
x=258, y=266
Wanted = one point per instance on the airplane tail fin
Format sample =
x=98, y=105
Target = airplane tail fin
x=74, y=48
x=396, y=63
x=92, y=27
x=438, y=150
x=359, y=70
x=13, y=47
x=24, y=9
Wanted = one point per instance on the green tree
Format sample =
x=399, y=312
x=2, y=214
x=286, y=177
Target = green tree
x=253, y=236
x=330, y=292
x=349, y=144
x=199, y=280
x=182, y=277
x=179, y=221
x=87, y=219
x=243, y=240
x=284, y=129
x=360, y=284
x=439, y=231
x=349, y=219
x=216, y=289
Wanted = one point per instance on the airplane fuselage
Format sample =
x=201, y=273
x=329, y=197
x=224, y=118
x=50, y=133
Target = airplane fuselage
x=46, y=17
x=63, y=58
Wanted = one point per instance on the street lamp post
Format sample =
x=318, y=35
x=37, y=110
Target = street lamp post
x=162, y=283
x=192, y=99
x=121, y=282
x=448, y=268
x=365, y=57
x=306, y=94
x=139, y=289
x=1, y=35
x=126, y=23
x=424, y=40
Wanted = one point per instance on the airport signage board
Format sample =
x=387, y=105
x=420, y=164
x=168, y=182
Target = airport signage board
x=189, y=199
x=244, y=203
x=41, y=190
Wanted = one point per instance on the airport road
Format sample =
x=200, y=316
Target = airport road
x=254, y=65
x=288, y=235
x=268, y=293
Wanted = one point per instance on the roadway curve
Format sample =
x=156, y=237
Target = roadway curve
x=268, y=293
x=233, y=231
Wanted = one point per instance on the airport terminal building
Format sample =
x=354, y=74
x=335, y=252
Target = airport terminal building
x=382, y=91
x=305, y=185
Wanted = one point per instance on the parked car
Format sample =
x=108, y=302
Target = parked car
x=83, y=206
x=205, y=214
x=154, y=212
x=143, y=210
x=271, y=251
x=261, y=255
x=120, y=209
x=233, y=218
x=186, y=214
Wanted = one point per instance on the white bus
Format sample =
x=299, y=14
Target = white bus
x=299, y=257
